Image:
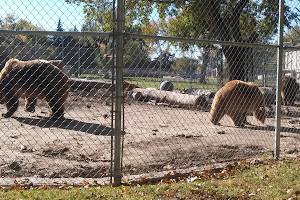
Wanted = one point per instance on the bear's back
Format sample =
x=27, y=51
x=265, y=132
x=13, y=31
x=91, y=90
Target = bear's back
x=33, y=74
x=241, y=95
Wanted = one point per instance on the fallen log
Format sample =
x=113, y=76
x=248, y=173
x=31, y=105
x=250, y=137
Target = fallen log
x=269, y=94
x=59, y=63
x=207, y=93
x=171, y=98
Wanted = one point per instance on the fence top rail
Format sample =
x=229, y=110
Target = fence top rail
x=59, y=33
x=291, y=48
x=142, y=36
x=198, y=41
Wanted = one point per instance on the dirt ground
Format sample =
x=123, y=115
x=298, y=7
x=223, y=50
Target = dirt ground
x=158, y=139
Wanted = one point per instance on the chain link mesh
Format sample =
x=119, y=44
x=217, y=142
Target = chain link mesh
x=182, y=111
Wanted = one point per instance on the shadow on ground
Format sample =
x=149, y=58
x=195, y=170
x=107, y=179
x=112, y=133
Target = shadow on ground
x=68, y=124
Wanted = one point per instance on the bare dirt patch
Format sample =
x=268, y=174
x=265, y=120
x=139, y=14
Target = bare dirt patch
x=158, y=138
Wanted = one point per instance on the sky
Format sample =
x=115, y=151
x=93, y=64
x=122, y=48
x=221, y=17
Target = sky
x=44, y=13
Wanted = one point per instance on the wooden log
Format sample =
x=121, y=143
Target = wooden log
x=207, y=93
x=59, y=63
x=269, y=94
x=171, y=98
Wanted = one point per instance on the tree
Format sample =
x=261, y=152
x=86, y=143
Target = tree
x=185, y=65
x=232, y=21
x=135, y=55
x=164, y=60
x=293, y=36
x=10, y=22
x=58, y=40
x=59, y=26
x=205, y=62
x=21, y=46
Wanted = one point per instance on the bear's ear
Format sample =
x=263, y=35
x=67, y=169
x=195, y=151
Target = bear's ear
x=261, y=108
x=14, y=64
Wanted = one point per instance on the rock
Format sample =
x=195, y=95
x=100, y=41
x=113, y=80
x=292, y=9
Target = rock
x=14, y=166
x=166, y=86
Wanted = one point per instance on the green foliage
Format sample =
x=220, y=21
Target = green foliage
x=10, y=22
x=194, y=19
x=248, y=21
x=179, y=83
x=293, y=35
x=185, y=65
x=135, y=55
x=100, y=12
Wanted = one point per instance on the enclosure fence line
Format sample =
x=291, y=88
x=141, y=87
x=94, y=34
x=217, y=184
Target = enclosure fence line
x=279, y=78
x=117, y=109
x=119, y=91
x=119, y=78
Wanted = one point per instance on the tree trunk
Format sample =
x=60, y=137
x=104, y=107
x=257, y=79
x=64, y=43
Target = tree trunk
x=204, y=65
x=235, y=55
x=237, y=62
x=250, y=67
x=220, y=75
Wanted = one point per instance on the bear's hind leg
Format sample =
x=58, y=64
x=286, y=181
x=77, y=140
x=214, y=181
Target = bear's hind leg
x=30, y=104
x=53, y=99
x=56, y=108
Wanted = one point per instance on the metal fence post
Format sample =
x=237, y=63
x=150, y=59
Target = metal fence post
x=279, y=79
x=119, y=91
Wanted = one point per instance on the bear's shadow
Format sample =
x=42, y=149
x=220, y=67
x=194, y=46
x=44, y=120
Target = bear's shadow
x=69, y=124
x=272, y=128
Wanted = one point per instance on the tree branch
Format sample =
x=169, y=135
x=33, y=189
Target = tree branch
x=235, y=20
x=218, y=26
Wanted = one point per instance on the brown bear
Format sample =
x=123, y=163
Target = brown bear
x=289, y=90
x=35, y=79
x=236, y=99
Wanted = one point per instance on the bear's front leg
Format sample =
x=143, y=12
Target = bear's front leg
x=7, y=115
x=12, y=104
x=239, y=119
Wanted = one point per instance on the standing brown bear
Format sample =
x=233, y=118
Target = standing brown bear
x=34, y=79
x=236, y=99
x=289, y=90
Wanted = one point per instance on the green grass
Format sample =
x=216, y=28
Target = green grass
x=266, y=179
x=274, y=180
x=179, y=83
x=149, y=82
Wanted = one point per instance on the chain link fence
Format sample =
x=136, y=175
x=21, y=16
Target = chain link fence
x=145, y=95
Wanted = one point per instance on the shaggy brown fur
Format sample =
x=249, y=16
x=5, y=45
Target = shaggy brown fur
x=34, y=79
x=289, y=90
x=236, y=99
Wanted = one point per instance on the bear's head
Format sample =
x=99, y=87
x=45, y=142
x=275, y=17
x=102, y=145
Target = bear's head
x=260, y=114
